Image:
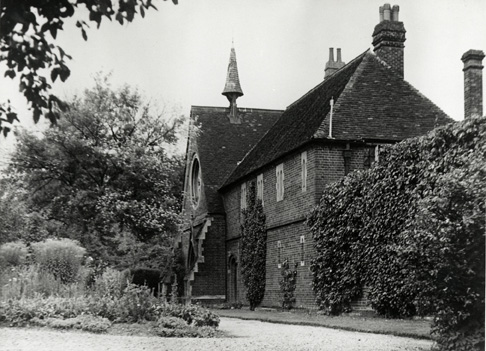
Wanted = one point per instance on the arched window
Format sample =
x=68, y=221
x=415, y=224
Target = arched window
x=195, y=182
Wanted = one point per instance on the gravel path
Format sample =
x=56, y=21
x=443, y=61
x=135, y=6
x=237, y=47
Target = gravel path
x=246, y=336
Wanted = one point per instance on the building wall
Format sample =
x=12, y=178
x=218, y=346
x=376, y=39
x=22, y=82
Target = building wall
x=210, y=278
x=285, y=220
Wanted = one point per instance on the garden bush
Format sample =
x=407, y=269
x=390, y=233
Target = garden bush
x=30, y=281
x=13, y=254
x=61, y=257
x=93, y=324
x=192, y=314
x=411, y=229
x=111, y=283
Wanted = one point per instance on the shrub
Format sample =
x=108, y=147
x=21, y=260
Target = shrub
x=171, y=322
x=253, y=249
x=61, y=257
x=288, y=283
x=29, y=281
x=177, y=328
x=136, y=304
x=411, y=229
x=192, y=314
x=13, y=254
x=111, y=283
x=88, y=323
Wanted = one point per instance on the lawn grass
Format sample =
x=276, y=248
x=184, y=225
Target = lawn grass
x=414, y=328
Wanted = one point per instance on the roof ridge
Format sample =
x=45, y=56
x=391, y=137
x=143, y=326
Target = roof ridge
x=242, y=109
x=331, y=77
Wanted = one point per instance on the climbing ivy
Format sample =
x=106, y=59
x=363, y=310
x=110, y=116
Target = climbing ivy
x=253, y=248
x=288, y=283
x=411, y=228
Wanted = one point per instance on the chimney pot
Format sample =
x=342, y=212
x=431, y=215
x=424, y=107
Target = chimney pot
x=473, y=83
x=395, y=11
x=386, y=12
x=331, y=65
x=381, y=14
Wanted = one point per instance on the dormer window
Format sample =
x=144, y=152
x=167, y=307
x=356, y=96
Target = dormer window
x=195, y=182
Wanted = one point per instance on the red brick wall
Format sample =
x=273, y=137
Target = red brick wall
x=285, y=219
x=211, y=276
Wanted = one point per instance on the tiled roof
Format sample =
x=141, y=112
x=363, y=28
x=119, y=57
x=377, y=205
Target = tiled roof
x=371, y=102
x=221, y=144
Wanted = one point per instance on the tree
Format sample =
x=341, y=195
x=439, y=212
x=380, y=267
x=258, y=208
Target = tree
x=253, y=249
x=28, y=30
x=104, y=175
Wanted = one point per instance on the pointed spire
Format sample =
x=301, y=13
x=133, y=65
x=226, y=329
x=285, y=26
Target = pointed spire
x=232, y=86
x=232, y=89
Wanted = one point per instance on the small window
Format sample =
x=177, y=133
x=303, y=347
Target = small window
x=303, y=162
x=302, y=250
x=195, y=182
x=260, y=187
x=377, y=153
x=280, y=182
x=243, y=196
x=279, y=251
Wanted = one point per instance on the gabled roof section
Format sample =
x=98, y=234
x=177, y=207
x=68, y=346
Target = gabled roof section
x=372, y=102
x=378, y=104
x=222, y=145
x=298, y=123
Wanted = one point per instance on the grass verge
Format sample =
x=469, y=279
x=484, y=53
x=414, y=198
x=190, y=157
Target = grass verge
x=413, y=328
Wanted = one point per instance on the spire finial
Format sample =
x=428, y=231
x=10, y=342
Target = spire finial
x=232, y=86
x=232, y=89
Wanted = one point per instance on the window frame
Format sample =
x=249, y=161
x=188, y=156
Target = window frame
x=243, y=197
x=280, y=182
x=195, y=188
x=260, y=187
x=303, y=172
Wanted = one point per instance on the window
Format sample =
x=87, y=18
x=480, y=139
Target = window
x=377, y=153
x=243, y=196
x=195, y=182
x=260, y=187
x=279, y=249
x=280, y=182
x=302, y=250
x=303, y=163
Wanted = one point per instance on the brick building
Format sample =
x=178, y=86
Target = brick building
x=337, y=127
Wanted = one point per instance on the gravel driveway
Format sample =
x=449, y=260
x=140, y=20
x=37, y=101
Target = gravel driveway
x=246, y=336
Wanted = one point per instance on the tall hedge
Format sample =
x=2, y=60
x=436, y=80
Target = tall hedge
x=412, y=230
x=253, y=248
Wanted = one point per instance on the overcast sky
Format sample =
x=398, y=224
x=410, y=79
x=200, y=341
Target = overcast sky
x=179, y=54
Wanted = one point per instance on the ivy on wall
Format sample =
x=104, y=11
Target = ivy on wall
x=253, y=248
x=288, y=283
x=412, y=229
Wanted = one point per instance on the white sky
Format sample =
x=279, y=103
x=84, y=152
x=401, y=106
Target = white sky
x=179, y=54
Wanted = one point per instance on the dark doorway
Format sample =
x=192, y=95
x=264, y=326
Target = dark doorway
x=233, y=280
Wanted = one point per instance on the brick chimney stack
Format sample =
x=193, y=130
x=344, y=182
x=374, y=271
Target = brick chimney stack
x=389, y=36
x=331, y=65
x=473, y=83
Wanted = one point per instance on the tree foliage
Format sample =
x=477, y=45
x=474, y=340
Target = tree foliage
x=104, y=175
x=28, y=30
x=412, y=229
x=253, y=249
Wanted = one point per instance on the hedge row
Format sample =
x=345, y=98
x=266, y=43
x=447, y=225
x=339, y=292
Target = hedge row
x=411, y=229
